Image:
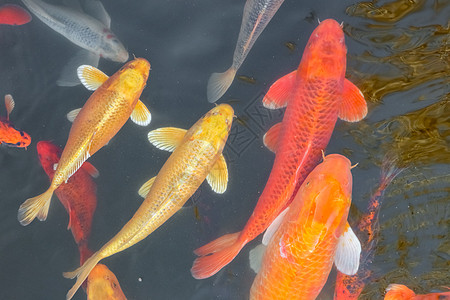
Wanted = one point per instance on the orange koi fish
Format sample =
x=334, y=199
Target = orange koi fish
x=314, y=95
x=402, y=292
x=105, y=112
x=313, y=233
x=78, y=195
x=197, y=155
x=102, y=284
x=9, y=135
x=11, y=14
x=350, y=287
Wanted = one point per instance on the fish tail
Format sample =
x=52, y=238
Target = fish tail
x=35, y=207
x=219, y=83
x=389, y=170
x=82, y=273
x=398, y=291
x=216, y=255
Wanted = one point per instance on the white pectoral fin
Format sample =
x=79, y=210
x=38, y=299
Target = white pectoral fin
x=141, y=115
x=96, y=9
x=91, y=77
x=9, y=103
x=255, y=257
x=68, y=75
x=145, y=188
x=348, y=252
x=71, y=115
x=218, y=176
x=270, y=231
x=166, y=138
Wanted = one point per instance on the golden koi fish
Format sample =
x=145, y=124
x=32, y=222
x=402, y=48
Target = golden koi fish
x=197, y=154
x=105, y=112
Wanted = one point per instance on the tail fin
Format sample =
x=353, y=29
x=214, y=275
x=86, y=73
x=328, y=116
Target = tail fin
x=219, y=83
x=35, y=207
x=222, y=251
x=81, y=273
x=398, y=291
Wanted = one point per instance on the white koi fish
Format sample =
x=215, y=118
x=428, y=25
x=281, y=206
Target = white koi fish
x=91, y=34
x=257, y=14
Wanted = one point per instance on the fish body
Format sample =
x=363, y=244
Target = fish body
x=78, y=195
x=102, y=284
x=11, y=14
x=85, y=31
x=9, y=135
x=197, y=154
x=257, y=14
x=351, y=286
x=315, y=95
x=300, y=254
x=402, y=292
x=104, y=113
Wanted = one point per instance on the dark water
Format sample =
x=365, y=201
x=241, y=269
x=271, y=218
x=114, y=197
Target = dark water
x=398, y=53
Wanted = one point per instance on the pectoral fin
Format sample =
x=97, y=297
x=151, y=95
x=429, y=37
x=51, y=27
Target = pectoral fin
x=71, y=115
x=273, y=227
x=255, y=257
x=95, y=9
x=145, y=188
x=88, y=167
x=353, y=107
x=166, y=138
x=270, y=139
x=141, y=115
x=91, y=77
x=68, y=76
x=279, y=93
x=348, y=252
x=218, y=176
x=9, y=103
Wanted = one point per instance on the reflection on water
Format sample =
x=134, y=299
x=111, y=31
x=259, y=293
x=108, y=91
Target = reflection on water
x=389, y=12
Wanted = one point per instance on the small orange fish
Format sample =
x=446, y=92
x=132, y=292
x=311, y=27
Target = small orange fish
x=102, y=284
x=311, y=234
x=402, y=292
x=9, y=135
x=105, y=112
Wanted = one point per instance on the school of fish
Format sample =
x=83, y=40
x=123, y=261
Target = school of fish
x=303, y=209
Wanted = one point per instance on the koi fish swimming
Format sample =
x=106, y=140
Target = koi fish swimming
x=197, y=155
x=78, y=195
x=402, y=292
x=309, y=236
x=257, y=14
x=90, y=32
x=9, y=135
x=11, y=14
x=351, y=286
x=105, y=112
x=314, y=95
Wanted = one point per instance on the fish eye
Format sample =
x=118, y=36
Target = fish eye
x=18, y=143
x=21, y=133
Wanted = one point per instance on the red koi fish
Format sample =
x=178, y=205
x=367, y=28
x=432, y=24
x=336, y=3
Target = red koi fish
x=9, y=135
x=11, y=14
x=402, y=292
x=314, y=95
x=350, y=286
x=78, y=195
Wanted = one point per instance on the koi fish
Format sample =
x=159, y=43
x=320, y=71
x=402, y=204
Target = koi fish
x=197, y=154
x=402, y=292
x=105, y=112
x=315, y=94
x=257, y=14
x=92, y=33
x=78, y=195
x=309, y=236
x=350, y=287
x=102, y=284
x=11, y=14
x=9, y=135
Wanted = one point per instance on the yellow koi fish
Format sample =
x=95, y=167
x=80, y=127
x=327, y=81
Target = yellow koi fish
x=197, y=154
x=105, y=112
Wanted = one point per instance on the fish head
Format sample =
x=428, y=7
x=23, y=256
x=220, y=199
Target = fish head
x=16, y=138
x=49, y=155
x=112, y=48
x=215, y=125
x=132, y=78
x=325, y=53
x=103, y=284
